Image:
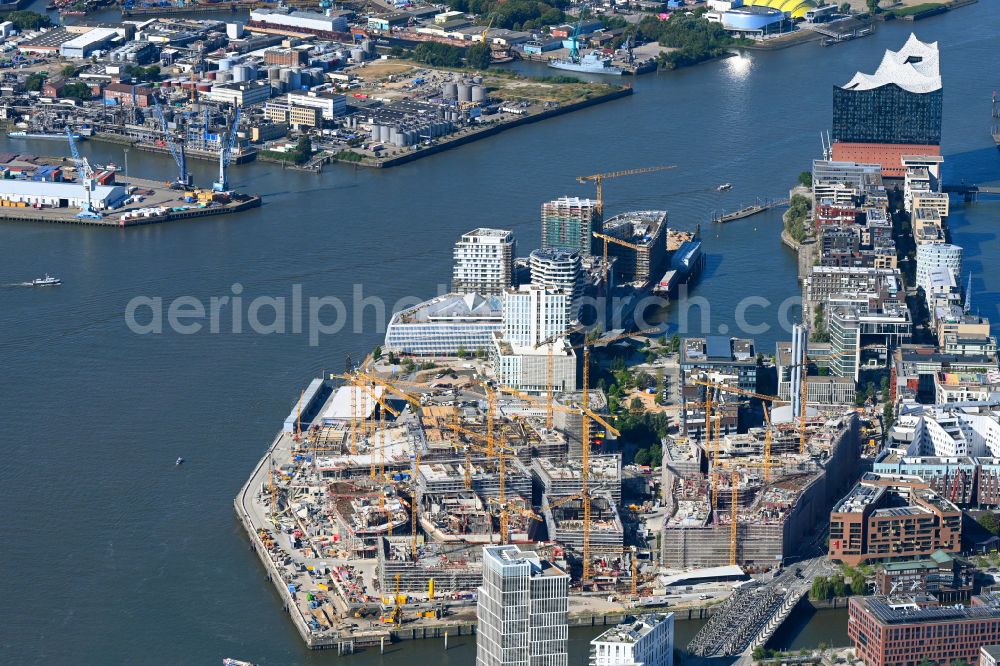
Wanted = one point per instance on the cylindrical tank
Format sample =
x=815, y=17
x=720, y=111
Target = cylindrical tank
x=477, y=79
x=464, y=92
x=396, y=138
x=204, y=87
x=384, y=133
x=224, y=77
x=375, y=133
x=243, y=73
x=368, y=46
x=225, y=64
x=357, y=55
x=449, y=90
x=478, y=94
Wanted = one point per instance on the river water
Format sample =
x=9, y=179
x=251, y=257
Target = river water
x=113, y=555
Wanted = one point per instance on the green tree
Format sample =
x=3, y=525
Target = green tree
x=641, y=457
x=377, y=353
x=820, y=590
x=408, y=365
x=636, y=404
x=462, y=353
x=27, y=20
x=674, y=346
x=478, y=56
x=845, y=8
x=873, y=8
x=888, y=415
x=34, y=82
x=76, y=90
x=438, y=55
x=68, y=71
x=806, y=178
x=838, y=587
x=858, y=582
x=990, y=522
x=480, y=353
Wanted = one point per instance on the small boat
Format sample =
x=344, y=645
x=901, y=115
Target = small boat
x=47, y=281
x=236, y=662
x=180, y=461
x=724, y=187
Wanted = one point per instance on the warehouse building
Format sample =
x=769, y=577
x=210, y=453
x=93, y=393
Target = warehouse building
x=61, y=195
x=82, y=46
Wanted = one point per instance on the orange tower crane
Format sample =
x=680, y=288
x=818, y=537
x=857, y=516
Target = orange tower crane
x=599, y=178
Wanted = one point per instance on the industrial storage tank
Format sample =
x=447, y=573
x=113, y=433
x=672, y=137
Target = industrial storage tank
x=464, y=92
x=478, y=94
x=396, y=138
x=449, y=90
x=358, y=55
x=244, y=73
x=384, y=133
x=375, y=132
x=225, y=64
x=291, y=78
x=274, y=73
x=477, y=79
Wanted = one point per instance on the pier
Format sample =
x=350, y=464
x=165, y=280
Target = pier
x=758, y=206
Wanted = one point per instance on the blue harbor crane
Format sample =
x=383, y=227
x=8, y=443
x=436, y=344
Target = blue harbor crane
x=574, y=49
x=177, y=152
x=227, y=144
x=86, y=176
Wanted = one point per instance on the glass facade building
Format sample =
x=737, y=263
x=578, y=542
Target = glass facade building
x=887, y=114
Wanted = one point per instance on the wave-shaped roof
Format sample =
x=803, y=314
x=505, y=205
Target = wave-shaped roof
x=914, y=68
x=794, y=8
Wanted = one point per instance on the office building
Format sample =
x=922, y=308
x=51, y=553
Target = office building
x=532, y=314
x=948, y=578
x=719, y=354
x=247, y=93
x=521, y=610
x=887, y=632
x=569, y=223
x=559, y=269
x=330, y=105
x=878, y=118
x=446, y=326
x=648, y=640
x=885, y=517
x=484, y=262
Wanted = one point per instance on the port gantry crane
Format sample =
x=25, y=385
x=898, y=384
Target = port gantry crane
x=177, y=152
x=227, y=145
x=86, y=176
x=599, y=178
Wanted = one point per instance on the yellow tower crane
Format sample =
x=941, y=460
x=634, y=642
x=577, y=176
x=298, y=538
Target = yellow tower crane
x=605, y=267
x=501, y=449
x=599, y=178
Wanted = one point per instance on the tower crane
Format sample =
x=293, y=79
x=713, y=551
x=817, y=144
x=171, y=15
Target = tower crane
x=617, y=241
x=550, y=370
x=599, y=178
x=506, y=508
x=228, y=143
x=177, y=152
x=86, y=176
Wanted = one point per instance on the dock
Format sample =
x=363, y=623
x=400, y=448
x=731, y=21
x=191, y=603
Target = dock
x=759, y=206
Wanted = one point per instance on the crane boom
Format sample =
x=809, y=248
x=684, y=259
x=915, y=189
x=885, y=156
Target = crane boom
x=227, y=144
x=177, y=152
x=599, y=178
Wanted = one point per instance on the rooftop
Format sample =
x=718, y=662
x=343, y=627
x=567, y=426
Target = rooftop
x=914, y=68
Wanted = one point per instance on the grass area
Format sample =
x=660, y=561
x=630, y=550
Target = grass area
x=915, y=9
x=540, y=91
x=380, y=69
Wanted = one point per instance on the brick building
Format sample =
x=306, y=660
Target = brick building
x=887, y=518
x=128, y=94
x=889, y=632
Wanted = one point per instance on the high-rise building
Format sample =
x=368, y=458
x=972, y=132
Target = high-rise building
x=800, y=341
x=559, y=269
x=647, y=641
x=534, y=313
x=531, y=315
x=521, y=610
x=569, y=224
x=484, y=261
x=878, y=118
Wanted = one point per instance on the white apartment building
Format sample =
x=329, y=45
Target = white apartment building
x=559, y=269
x=646, y=641
x=935, y=255
x=531, y=315
x=484, y=261
x=521, y=610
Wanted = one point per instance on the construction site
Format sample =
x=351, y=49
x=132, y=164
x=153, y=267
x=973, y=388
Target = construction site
x=751, y=498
